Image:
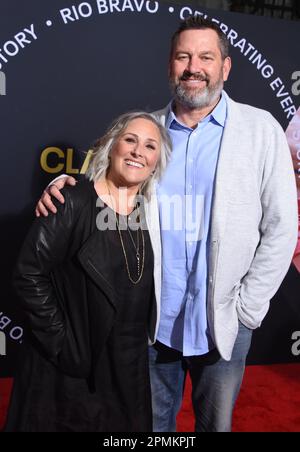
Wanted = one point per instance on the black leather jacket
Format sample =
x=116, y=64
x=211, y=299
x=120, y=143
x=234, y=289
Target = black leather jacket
x=65, y=289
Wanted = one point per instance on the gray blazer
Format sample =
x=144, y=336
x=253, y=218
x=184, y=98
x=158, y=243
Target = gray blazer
x=254, y=224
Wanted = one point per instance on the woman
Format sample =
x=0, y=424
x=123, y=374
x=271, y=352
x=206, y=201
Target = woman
x=87, y=291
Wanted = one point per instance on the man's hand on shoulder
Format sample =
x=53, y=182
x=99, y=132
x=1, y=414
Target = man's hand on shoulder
x=45, y=203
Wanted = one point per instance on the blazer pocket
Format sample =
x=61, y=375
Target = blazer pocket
x=232, y=296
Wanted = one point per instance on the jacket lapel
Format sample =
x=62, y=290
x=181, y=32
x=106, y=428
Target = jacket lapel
x=95, y=257
x=224, y=178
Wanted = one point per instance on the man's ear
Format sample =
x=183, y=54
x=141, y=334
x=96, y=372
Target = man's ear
x=226, y=68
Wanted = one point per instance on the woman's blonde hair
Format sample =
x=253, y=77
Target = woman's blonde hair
x=100, y=160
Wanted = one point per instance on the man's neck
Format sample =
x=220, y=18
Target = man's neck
x=192, y=116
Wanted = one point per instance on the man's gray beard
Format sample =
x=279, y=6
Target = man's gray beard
x=195, y=100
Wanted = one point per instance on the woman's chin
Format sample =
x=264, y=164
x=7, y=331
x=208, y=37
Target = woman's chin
x=132, y=179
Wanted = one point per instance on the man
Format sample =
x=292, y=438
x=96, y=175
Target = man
x=216, y=287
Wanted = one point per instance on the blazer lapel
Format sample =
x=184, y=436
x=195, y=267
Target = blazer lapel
x=224, y=178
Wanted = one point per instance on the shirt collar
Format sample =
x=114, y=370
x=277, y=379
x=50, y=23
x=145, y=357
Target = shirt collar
x=219, y=114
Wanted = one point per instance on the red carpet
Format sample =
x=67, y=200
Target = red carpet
x=5, y=389
x=269, y=401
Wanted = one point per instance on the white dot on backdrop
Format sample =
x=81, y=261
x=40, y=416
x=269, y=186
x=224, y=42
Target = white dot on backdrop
x=49, y=23
x=171, y=9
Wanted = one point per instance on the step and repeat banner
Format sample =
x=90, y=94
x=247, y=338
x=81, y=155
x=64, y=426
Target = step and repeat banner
x=67, y=68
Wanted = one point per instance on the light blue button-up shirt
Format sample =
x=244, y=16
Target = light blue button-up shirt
x=185, y=199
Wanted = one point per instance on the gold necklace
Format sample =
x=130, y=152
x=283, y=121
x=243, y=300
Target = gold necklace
x=138, y=257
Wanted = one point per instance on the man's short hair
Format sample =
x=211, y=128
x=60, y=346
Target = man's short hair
x=199, y=23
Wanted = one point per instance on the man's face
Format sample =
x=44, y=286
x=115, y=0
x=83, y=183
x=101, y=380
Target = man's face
x=196, y=70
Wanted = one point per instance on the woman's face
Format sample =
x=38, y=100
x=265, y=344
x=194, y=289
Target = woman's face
x=135, y=154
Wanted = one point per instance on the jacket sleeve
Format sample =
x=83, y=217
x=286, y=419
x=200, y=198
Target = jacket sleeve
x=44, y=250
x=278, y=232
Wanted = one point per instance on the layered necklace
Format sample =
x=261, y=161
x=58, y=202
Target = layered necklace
x=140, y=260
